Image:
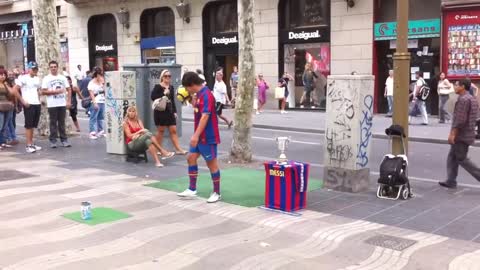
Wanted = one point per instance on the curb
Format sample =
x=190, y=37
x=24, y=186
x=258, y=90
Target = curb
x=319, y=131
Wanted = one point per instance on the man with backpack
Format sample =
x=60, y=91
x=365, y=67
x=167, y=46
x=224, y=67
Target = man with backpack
x=462, y=135
x=420, y=95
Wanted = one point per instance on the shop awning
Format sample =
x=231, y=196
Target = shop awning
x=157, y=42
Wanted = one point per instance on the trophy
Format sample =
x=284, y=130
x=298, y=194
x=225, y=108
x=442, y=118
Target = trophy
x=282, y=144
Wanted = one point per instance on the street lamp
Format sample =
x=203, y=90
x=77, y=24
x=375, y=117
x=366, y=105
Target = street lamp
x=124, y=17
x=183, y=10
x=401, y=77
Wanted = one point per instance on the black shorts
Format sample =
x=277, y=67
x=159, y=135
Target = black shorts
x=73, y=112
x=32, y=116
x=219, y=108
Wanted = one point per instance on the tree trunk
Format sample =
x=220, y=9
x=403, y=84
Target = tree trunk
x=47, y=48
x=241, y=145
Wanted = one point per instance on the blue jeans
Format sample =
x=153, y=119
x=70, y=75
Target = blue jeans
x=3, y=118
x=390, y=104
x=96, y=118
x=10, y=133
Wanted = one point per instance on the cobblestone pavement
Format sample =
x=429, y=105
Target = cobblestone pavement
x=166, y=232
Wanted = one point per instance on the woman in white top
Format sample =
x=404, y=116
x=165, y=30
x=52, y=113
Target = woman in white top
x=444, y=89
x=96, y=89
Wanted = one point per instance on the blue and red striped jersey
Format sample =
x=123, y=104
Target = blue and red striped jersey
x=206, y=105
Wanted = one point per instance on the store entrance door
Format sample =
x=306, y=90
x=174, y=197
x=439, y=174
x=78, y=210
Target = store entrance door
x=227, y=62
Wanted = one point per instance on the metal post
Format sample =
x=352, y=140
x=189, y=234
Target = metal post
x=401, y=76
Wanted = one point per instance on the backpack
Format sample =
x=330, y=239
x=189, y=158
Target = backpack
x=393, y=170
x=424, y=91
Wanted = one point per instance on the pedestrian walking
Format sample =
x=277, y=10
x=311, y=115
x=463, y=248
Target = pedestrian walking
x=262, y=87
x=166, y=117
x=7, y=97
x=462, y=135
x=445, y=88
x=79, y=75
x=389, y=92
x=84, y=90
x=234, y=84
x=57, y=89
x=96, y=91
x=74, y=108
x=10, y=133
x=139, y=139
x=282, y=87
x=206, y=136
x=29, y=86
x=308, y=79
x=221, y=97
x=286, y=79
x=418, y=102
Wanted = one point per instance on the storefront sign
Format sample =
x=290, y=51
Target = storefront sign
x=461, y=43
x=16, y=34
x=104, y=48
x=416, y=29
x=310, y=35
x=304, y=35
x=224, y=40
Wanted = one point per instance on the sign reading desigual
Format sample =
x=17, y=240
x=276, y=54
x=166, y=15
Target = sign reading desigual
x=104, y=48
x=416, y=29
x=224, y=40
x=304, y=35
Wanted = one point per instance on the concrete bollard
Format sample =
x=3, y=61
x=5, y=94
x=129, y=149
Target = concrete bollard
x=348, y=132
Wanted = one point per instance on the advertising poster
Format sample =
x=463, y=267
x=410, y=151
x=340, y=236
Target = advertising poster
x=461, y=44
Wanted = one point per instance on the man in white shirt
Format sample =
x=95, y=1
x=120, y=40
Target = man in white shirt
x=221, y=96
x=79, y=74
x=419, y=103
x=29, y=86
x=58, y=91
x=389, y=92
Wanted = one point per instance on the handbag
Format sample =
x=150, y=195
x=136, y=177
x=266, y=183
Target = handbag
x=160, y=104
x=86, y=103
x=279, y=92
x=6, y=106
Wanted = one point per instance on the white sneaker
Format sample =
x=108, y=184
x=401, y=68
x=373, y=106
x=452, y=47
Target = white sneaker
x=313, y=107
x=257, y=113
x=30, y=149
x=93, y=136
x=215, y=197
x=301, y=106
x=101, y=134
x=36, y=147
x=187, y=193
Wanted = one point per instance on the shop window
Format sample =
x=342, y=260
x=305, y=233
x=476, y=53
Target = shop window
x=157, y=22
x=221, y=17
x=304, y=13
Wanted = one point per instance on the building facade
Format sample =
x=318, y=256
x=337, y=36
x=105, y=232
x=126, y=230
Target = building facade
x=17, y=42
x=288, y=33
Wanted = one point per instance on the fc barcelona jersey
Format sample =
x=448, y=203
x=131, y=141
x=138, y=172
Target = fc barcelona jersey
x=206, y=105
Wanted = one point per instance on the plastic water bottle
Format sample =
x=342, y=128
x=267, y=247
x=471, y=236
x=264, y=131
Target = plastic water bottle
x=86, y=210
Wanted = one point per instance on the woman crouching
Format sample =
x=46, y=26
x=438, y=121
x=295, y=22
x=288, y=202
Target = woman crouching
x=140, y=139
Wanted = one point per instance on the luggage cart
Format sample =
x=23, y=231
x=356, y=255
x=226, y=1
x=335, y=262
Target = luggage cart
x=393, y=182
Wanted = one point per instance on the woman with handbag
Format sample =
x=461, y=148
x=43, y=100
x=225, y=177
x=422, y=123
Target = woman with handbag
x=140, y=139
x=165, y=110
x=7, y=96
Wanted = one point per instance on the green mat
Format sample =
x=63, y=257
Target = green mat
x=99, y=215
x=239, y=186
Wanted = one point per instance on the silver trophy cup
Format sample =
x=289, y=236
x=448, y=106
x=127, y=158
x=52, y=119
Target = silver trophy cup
x=282, y=144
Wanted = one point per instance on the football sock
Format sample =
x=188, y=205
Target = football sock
x=193, y=174
x=216, y=182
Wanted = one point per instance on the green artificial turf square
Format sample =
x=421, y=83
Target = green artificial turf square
x=245, y=187
x=99, y=215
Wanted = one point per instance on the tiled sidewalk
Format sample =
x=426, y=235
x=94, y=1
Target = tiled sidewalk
x=167, y=233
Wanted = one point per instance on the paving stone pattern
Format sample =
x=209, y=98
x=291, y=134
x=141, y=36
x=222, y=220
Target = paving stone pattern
x=166, y=232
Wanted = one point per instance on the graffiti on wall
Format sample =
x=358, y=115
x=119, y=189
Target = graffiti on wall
x=366, y=123
x=339, y=131
x=128, y=85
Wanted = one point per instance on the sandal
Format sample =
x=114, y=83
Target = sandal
x=169, y=155
x=182, y=153
x=159, y=165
